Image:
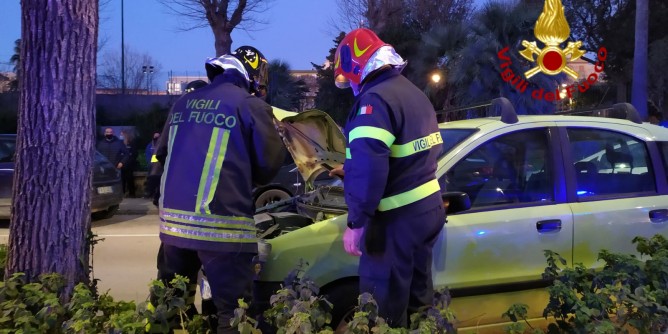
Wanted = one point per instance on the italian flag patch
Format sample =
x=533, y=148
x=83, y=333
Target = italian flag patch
x=366, y=110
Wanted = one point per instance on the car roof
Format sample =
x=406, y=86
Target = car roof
x=658, y=133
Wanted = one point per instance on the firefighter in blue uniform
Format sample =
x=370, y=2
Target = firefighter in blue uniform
x=219, y=141
x=395, y=210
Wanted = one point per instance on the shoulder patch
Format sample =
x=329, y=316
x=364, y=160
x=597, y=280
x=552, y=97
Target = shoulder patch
x=365, y=110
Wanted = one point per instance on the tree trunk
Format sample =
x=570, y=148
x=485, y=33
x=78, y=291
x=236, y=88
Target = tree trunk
x=639, y=86
x=52, y=180
x=223, y=39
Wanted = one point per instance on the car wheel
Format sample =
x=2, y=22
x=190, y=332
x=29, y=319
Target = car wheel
x=270, y=195
x=108, y=213
x=343, y=296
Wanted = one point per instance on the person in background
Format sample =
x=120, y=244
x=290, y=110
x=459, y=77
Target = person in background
x=395, y=210
x=128, y=169
x=113, y=149
x=154, y=168
x=655, y=115
x=210, y=169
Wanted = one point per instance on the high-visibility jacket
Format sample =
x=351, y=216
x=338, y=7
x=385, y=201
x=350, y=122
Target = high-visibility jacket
x=218, y=143
x=393, y=146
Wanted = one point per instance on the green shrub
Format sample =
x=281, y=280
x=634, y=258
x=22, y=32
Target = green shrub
x=297, y=308
x=626, y=293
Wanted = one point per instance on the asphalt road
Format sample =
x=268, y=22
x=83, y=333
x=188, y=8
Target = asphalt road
x=125, y=261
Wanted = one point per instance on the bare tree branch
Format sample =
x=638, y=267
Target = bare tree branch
x=378, y=15
x=236, y=16
x=136, y=80
x=222, y=16
x=351, y=15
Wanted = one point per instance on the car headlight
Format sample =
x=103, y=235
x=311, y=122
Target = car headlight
x=263, y=251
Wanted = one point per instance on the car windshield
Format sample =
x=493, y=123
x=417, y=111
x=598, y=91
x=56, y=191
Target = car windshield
x=7, y=148
x=452, y=138
x=99, y=158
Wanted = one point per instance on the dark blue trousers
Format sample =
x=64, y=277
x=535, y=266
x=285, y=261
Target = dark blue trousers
x=400, y=278
x=230, y=276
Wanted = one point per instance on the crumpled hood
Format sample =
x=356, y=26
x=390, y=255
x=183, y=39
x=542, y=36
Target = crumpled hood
x=313, y=139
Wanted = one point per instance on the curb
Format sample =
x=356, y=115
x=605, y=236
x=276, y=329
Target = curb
x=133, y=206
x=135, y=212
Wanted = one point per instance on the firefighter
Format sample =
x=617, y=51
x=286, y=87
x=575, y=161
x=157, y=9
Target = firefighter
x=395, y=210
x=218, y=143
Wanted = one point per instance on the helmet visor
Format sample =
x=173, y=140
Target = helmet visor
x=341, y=82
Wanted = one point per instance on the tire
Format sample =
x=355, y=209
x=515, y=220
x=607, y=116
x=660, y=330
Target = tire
x=270, y=195
x=106, y=214
x=343, y=295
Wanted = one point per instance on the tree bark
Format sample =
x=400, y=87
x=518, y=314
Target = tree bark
x=639, y=85
x=52, y=181
x=221, y=25
x=223, y=41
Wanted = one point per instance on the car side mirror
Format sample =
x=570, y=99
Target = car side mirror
x=455, y=201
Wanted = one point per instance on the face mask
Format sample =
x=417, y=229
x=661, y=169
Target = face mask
x=109, y=136
x=120, y=137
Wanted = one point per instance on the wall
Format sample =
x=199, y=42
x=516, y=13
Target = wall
x=115, y=107
x=109, y=107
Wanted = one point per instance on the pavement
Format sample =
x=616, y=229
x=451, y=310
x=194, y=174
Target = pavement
x=137, y=206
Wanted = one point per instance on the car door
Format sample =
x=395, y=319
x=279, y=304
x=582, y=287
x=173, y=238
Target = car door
x=614, y=190
x=518, y=210
x=7, y=149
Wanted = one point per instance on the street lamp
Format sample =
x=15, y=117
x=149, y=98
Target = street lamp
x=434, y=87
x=147, y=70
x=436, y=77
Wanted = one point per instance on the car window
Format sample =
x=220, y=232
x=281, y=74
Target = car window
x=7, y=149
x=452, y=137
x=512, y=168
x=609, y=163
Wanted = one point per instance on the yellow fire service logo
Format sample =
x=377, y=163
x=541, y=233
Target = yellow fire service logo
x=552, y=29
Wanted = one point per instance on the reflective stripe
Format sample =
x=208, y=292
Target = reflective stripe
x=208, y=223
x=170, y=144
x=348, y=156
x=415, y=146
x=207, y=234
x=371, y=132
x=173, y=212
x=409, y=197
x=215, y=221
x=210, y=176
x=154, y=158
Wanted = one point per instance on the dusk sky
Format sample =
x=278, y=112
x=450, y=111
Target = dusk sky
x=298, y=32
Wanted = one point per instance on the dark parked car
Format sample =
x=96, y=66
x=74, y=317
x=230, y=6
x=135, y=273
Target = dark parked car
x=107, y=192
x=287, y=184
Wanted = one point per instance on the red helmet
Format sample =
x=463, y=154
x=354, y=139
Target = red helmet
x=353, y=54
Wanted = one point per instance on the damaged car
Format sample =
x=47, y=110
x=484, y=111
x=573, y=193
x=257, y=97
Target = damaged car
x=513, y=187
